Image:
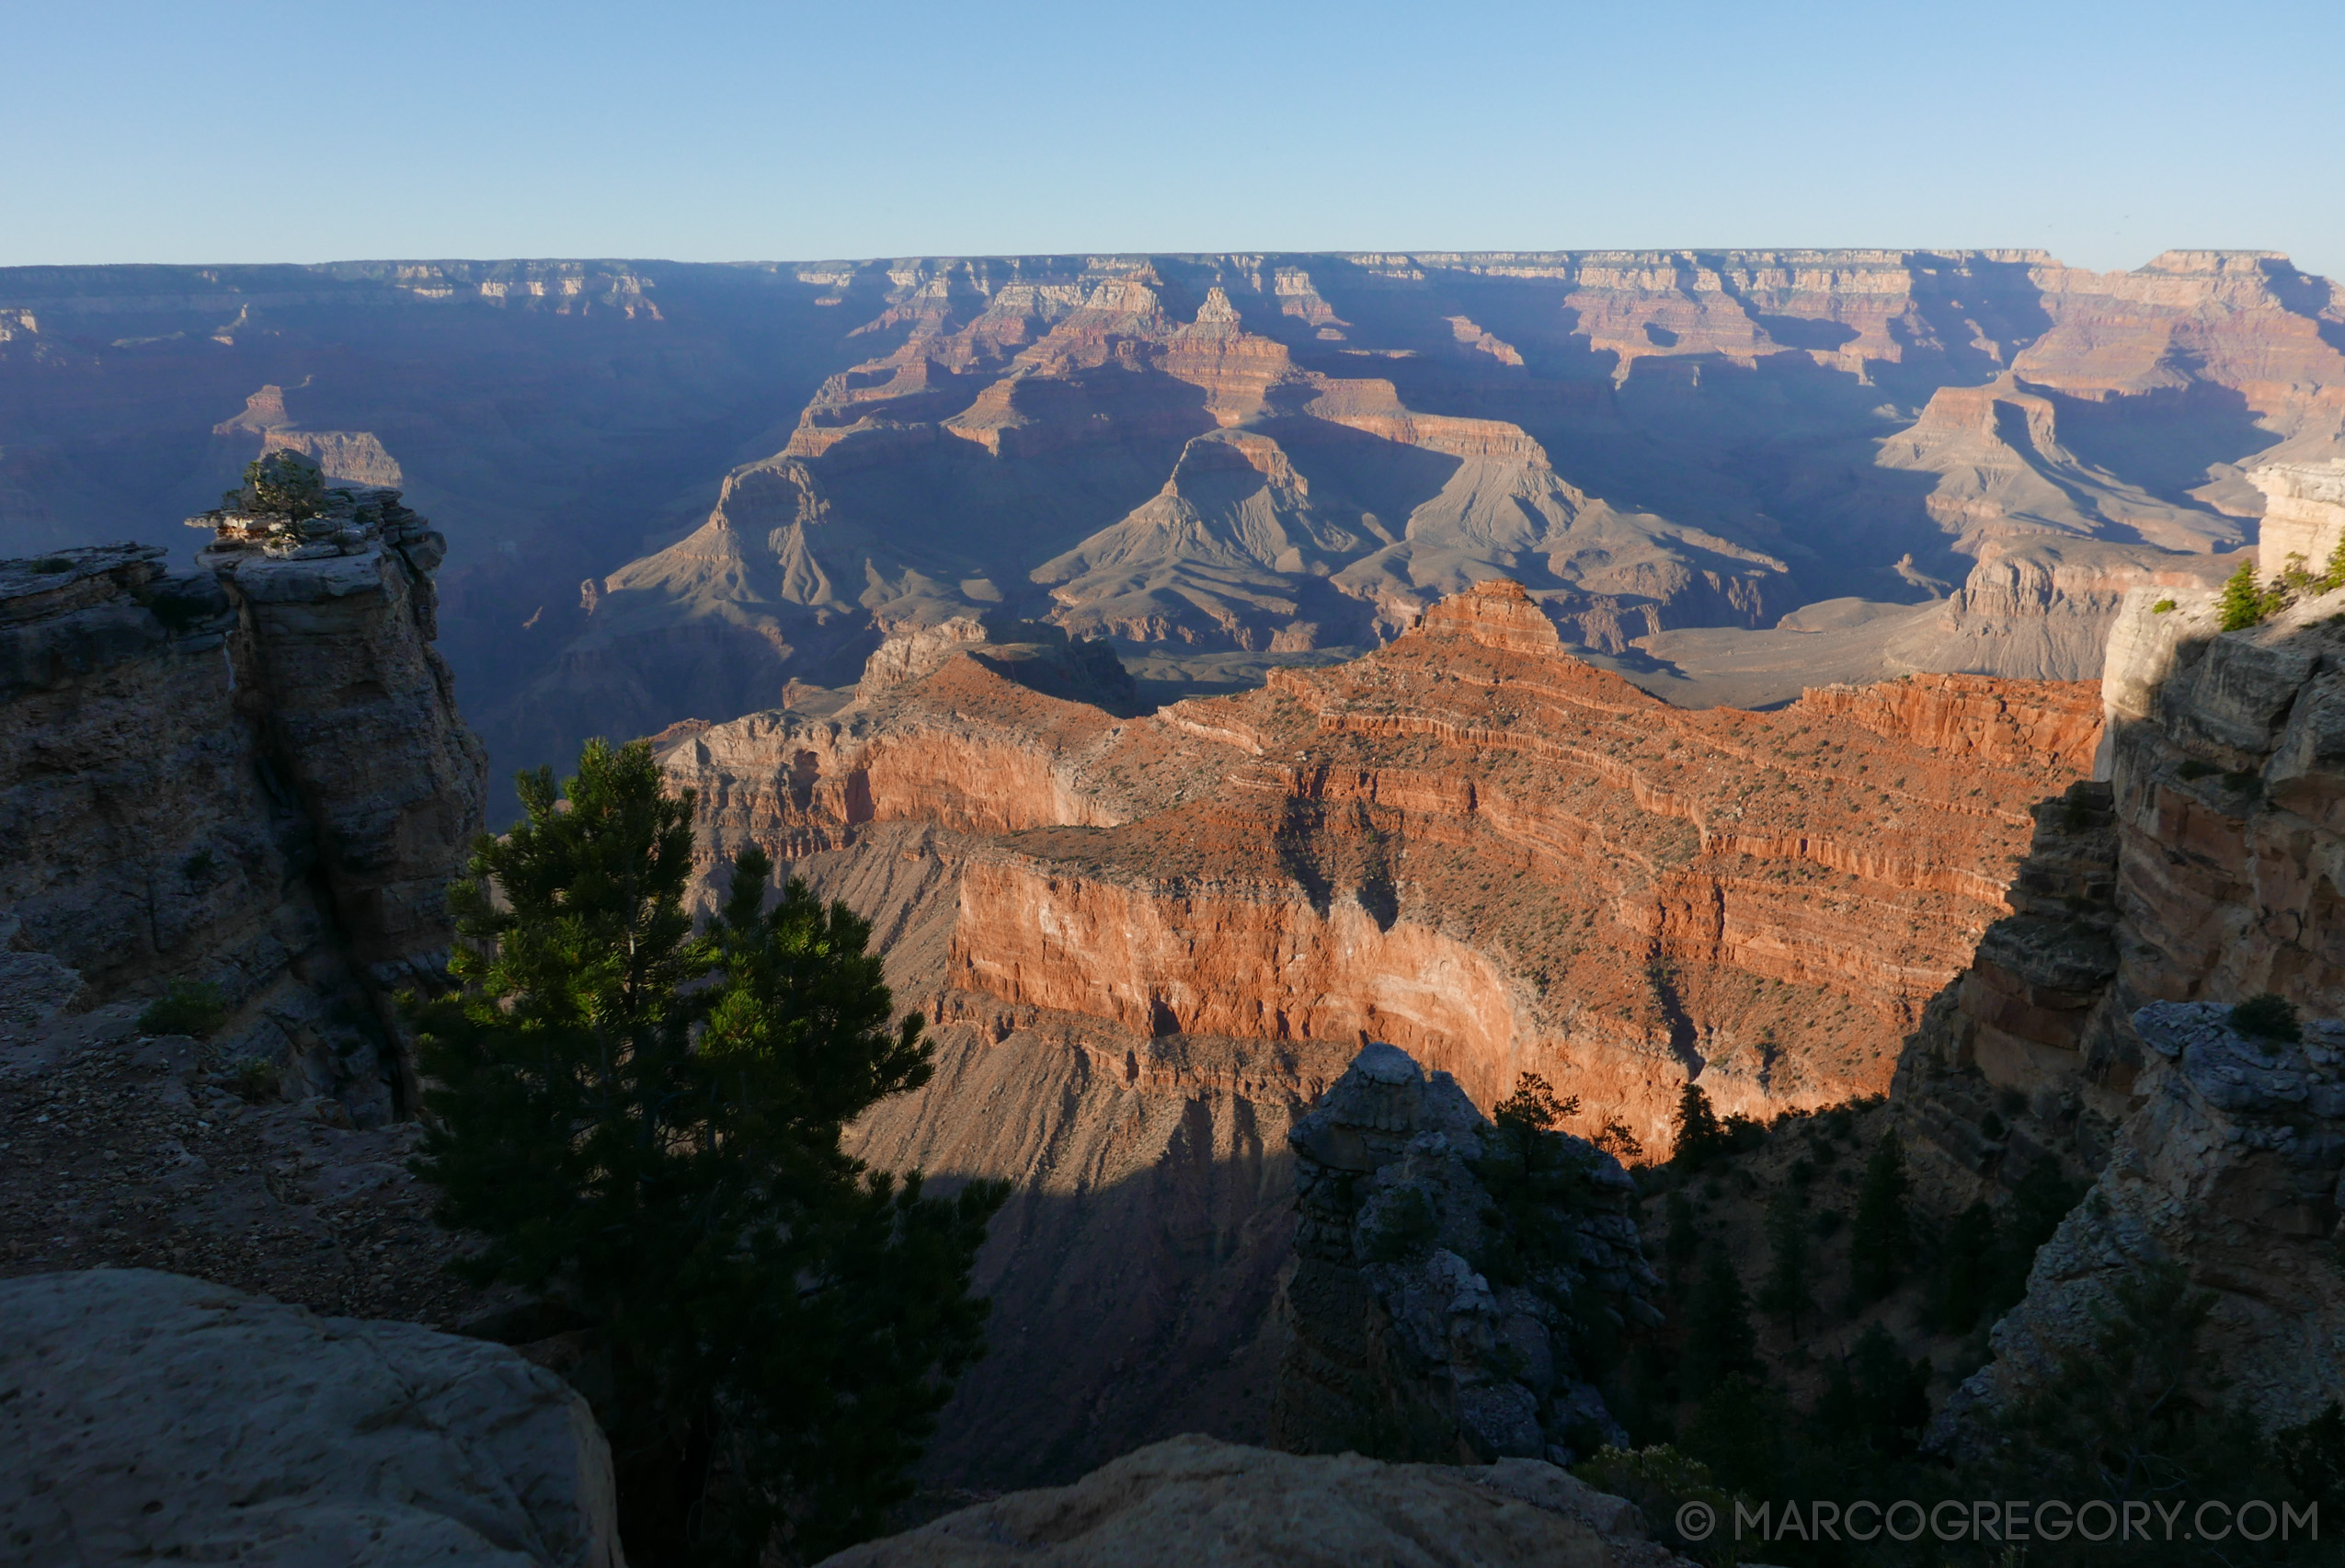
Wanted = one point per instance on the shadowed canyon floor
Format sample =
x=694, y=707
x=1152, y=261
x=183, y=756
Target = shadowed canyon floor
x=676, y=489
x=1146, y=944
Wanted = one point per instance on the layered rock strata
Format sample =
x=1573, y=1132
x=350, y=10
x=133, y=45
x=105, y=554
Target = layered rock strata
x=1399, y=1346
x=1471, y=844
x=151, y=1415
x=1145, y=945
x=2203, y=867
x=253, y=776
x=1505, y=861
x=2230, y=1170
x=1229, y=458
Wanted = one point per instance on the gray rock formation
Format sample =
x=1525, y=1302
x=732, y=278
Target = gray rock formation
x=252, y=776
x=1193, y=1500
x=1398, y=1343
x=2230, y=1169
x=146, y=1416
x=2206, y=865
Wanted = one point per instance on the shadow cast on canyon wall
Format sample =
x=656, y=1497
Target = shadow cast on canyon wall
x=1122, y=1315
x=2165, y=441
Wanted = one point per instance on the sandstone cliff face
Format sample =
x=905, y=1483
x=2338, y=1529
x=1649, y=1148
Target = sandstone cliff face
x=2201, y=869
x=1504, y=860
x=1145, y=946
x=1471, y=844
x=2092, y=1027
x=253, y=776
x=2303, y=515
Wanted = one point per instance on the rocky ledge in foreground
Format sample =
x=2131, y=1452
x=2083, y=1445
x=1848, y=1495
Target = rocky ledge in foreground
x=1193, y=1500
x=148, y=1416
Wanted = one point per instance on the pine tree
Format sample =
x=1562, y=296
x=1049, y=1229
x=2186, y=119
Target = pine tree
x=2241, y=605
x=1700, y=1137
x=2038, y=1203
x=1882, y=1236
x=1787, y=1292
x=1892, y=1393
x=1719, y=1341
x=1966, y=1268
x=1685, y=1237
x=1538, y=1181
x=644, y=1126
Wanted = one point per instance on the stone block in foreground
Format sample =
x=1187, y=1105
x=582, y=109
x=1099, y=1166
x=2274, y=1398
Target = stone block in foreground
x=1194, y=1500
x=148, y=1416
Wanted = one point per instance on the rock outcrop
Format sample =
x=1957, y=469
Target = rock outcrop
x=2202, y=866
x=149, y=1415
x=1192, y=1500
x=252, y=776
x=2201, y=869
x=2303, y=515
x=1145, y=947
x=2230, y=1170
x=1399, y=1346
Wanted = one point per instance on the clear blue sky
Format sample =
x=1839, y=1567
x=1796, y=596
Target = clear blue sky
x=188, y=132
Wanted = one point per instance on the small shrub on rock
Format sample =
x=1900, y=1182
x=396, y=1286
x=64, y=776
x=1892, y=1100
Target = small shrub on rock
x=2267, y=1017
x=189, y=1007
x=254, y=1079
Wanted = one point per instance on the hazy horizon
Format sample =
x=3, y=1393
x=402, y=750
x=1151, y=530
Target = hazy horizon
x=260, y=132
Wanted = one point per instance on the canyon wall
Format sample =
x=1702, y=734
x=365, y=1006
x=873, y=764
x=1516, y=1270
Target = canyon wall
x=1145, y=945
x=251, y=776
x=1222, y=461
x=2228, y=1170
x=2201, y=866
x=2095, y=1026
x=1502, y=860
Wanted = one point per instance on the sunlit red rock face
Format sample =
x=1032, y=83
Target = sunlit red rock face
x=1507, y=860
x=1144, y=944
x=1468, y=843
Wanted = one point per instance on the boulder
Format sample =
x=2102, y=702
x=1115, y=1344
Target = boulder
x=150, y=1415
x=1194, y=1500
